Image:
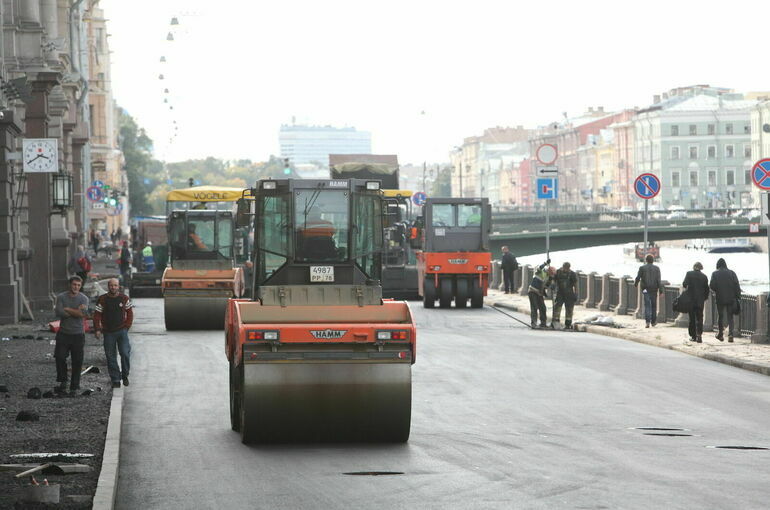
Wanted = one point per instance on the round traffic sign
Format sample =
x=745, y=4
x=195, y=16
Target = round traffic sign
x=760, y=174
x=419, y=198
x=94, y=193
x=546, y=154
x=97, y=183
x=647, y=186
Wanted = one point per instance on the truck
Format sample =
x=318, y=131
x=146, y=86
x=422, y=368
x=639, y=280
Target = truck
x=150, y=229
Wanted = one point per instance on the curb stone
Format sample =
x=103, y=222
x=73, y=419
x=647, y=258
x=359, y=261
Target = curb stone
x=106, y=487
x=623, y=335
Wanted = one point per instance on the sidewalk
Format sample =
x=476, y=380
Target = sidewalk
x=742, y=353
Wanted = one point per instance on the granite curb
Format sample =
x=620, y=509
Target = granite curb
x=760, y=368
x=106, y=487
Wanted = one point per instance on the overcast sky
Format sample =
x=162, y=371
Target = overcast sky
x=237, y=70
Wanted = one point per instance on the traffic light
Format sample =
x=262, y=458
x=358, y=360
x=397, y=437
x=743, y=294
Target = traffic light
x=286, y=167
x=191, y=182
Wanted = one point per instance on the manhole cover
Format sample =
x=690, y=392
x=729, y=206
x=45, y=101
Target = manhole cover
x=373, y=473
x=665, y=434
x=740, y=447
x=660, y=429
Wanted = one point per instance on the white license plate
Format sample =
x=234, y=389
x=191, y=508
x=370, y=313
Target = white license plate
x=321, y=273
x=440, y=232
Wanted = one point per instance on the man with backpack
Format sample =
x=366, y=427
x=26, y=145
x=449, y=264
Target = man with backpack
x=80, y=264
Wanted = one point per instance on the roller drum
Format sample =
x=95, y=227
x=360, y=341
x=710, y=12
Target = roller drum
x=326, y=402
x=184, y=312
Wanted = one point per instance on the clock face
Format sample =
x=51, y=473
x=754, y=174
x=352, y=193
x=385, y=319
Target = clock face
x=40, y=155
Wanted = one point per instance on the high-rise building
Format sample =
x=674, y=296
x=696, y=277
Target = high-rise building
x=311, y=145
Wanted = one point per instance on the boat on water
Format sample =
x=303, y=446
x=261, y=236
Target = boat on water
x=737, y=245
x=639, y=253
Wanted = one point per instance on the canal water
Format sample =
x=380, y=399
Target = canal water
x=751, y=268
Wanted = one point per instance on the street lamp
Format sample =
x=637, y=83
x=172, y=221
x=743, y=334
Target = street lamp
x=61, y=191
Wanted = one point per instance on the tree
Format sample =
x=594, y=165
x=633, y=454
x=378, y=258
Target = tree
x=141, y=168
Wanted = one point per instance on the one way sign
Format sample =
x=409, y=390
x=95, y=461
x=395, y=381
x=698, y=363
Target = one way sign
x=547, y=171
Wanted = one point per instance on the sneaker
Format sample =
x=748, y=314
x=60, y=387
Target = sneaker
x=125, y=380
x=720, y=337
x=116, y=384
x=700, y=339
x=730, y=338
x=653, y=324
x=647, y=325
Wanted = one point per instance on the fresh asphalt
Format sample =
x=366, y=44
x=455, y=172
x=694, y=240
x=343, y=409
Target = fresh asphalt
x=502, y=417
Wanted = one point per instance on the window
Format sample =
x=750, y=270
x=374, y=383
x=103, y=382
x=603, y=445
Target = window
x=468, y=215
x=675, y=178
x=674, y=130
x=693, y=152
x=711, y=152
x=729, y=128
x=321, y=223
x=747, y=129
x=693, y=130
x=711, y=129
x=443, y=215
x=730, y=177
x=693, y=177
x=675, y=152
x=747, y=176
x=747, y=151
x=272, y=235
x=729, y=151
x=712, y=178
x=367, y=234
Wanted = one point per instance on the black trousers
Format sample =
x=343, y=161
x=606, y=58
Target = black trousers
x=508, y=280
x=537, y=305
x=696, y=321
x=69, y=345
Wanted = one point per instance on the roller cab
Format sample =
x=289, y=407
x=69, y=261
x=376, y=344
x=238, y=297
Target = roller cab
x=318, y=355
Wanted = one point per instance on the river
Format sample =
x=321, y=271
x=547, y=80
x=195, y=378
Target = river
x=751, y=268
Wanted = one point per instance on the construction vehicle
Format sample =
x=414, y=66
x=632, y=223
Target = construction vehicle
x=399, y=271
x=202, y=273
x=150, y=229
x=455, y=261
x=317, y=354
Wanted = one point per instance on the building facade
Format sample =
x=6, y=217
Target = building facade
x=311, y=145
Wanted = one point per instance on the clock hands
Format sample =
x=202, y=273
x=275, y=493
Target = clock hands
x=36, y=157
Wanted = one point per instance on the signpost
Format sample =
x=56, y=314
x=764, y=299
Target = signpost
x=419, y=198
x=548, y=189
x=760, y=175
x=94, y=193
x=646, y=186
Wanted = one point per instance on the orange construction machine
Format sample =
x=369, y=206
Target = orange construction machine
x=455, y=261
x=202, y=273
x=317, y=354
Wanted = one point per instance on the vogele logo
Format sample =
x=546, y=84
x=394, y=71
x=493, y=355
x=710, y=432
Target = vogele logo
x=209, y=195
x=328, y=334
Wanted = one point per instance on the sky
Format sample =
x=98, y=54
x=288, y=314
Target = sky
x=420, y=75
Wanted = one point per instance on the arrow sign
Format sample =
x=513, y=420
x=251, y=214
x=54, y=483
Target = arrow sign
x=547, y=171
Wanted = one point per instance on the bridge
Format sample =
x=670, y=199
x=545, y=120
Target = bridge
x=525, y=232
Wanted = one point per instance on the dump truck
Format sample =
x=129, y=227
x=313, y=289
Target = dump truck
x=399, y=271
x=455, y=261
x=317, y=354
x=150, y=229
x=202, y=273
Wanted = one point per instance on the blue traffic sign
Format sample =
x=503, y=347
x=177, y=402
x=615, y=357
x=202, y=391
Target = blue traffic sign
x=647, y=186
x=760, y=174
x=94, y=194
x=97, y=183
x=419, y=198
x=548, y=188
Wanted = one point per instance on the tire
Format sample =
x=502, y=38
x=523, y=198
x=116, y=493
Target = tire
x=477, y=294
x=429, y=293
x=445, y=293
x=461, y=294
x=235, y=398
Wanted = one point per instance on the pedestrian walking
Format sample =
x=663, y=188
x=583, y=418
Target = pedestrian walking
x=148, y=260
x=566, y=294
x=508, y=265
x=95, y=241
x=125, y=264
x=724, y=283
x=71, y=308
x=649, y=278
x=80, y=264
x=541, y=280
x=114, y=314
x=697, y=286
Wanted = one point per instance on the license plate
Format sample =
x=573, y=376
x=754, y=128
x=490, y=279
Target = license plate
x=440, y=232
x=321, y=273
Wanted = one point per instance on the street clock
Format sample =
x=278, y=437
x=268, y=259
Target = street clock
x=40, y=155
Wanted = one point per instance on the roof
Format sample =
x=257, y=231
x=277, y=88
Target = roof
x=388, y=159
x=205, y=194
x=704, y=102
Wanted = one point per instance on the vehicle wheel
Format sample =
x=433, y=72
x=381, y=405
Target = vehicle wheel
x=235, y=399
x=429, y=293
x=445, y=293
x=477, y=294
x=461, y=295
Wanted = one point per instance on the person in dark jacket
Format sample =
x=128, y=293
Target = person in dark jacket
x=566, y=294
x=697, y=285
x=649, y=277
x=724, y=283
x=508, y=265
x=541, y=281
x=113, y=317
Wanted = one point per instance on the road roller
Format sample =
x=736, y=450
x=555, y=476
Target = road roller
x=317, y=355
x=202, y=273
x=455, y=261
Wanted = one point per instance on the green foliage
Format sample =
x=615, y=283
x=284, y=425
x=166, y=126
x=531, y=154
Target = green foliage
x=139, y=164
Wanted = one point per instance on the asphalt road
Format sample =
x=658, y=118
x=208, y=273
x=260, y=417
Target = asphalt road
x=503, y=417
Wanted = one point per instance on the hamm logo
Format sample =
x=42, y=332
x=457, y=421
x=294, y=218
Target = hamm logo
x=328, y=334
x=458, y=261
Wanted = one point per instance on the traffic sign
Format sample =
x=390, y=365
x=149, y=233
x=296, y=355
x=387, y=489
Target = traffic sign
x=753, y=228
x=647, y=186
x=548, y=188
x=94, y=193
x=97, y=205
x=419, y=198
x=106, y=187
x=547, y=171
x=760, y=174
x=546, y=154
x=97, y=183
